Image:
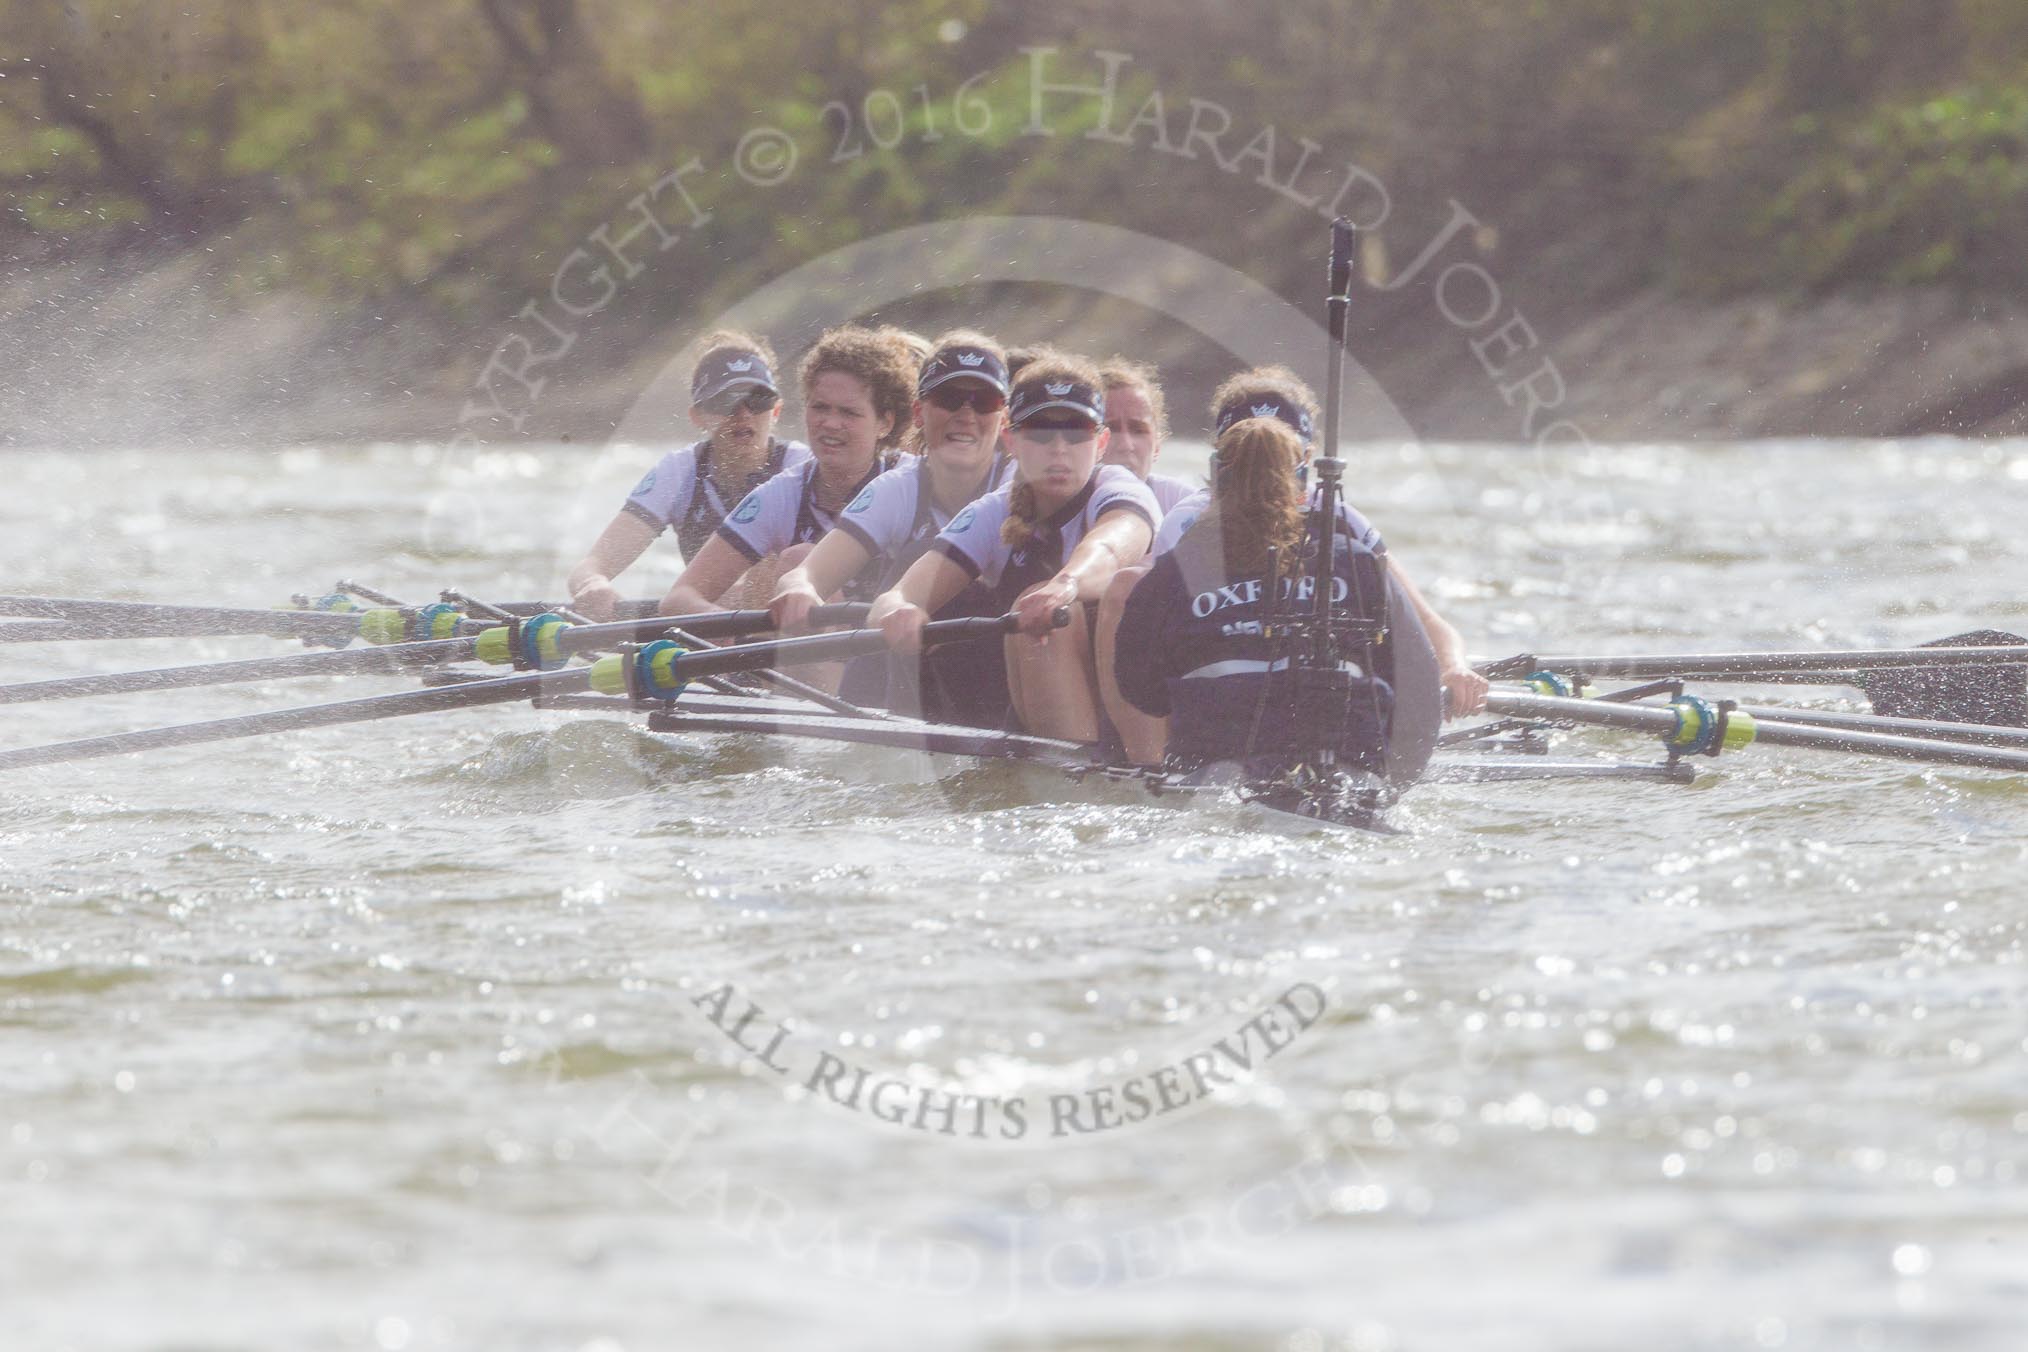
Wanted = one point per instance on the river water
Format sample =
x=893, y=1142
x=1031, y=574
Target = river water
x=428, y=1034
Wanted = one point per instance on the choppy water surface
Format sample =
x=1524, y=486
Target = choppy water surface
x=395, y=1037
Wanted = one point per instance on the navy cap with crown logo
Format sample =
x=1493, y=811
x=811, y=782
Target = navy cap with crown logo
x=962, y=361
x=730, y=368
x=1035, y=397
x=1265, y=406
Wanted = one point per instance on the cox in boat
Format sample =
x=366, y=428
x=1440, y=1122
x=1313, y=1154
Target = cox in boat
x=1277, y=393
x=1217, y=644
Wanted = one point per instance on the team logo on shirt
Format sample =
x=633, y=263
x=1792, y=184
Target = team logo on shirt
x=962, y=521
x=863, y=501
x=747, y=510
x=647, y=482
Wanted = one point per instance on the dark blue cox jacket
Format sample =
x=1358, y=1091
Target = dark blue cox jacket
x=1191, y=647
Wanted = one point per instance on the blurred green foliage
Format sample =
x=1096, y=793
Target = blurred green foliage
x=358, y=146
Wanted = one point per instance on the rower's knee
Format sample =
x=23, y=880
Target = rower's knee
x=1114, y=600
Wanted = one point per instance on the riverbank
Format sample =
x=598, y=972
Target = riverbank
x=124, y=350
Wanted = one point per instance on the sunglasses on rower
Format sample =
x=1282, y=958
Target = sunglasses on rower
x=1073, y=434
x=980, y=401
x=727, y=402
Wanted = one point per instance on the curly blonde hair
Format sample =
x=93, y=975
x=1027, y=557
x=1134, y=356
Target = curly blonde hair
x=918, y=346
x=883, y=362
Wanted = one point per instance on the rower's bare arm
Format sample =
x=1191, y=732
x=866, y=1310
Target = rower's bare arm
x=708, y=577
x=827, y=567
x=929, y=585
x=1116, y=540
x=1465, y=689
x=625, y=538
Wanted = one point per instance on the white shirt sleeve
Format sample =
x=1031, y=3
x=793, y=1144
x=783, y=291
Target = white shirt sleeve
x=1117, y=487
x=1169, y=490
x=972, y=540
x=881, y=517
x=1178, y=519
x=764, y=523
x=664, y=493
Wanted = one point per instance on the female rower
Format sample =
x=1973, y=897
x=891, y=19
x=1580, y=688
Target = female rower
x=1276, y=392
x=735, y=402
x=961, y=401
x=1050, y=539
x=856, y=387
x=1192, y=647
x=1137, y=416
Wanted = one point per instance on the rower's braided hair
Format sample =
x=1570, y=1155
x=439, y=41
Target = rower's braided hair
x=1256, y=502
x=883, y=362
x=1022, y=509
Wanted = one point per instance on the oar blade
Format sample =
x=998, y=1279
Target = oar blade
x=1996, y=695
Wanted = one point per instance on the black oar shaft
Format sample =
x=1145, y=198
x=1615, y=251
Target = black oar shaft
x=722, y=624
x=1739, y=665
x=1980, y=734
x=1663, y=721
x=502, y=690
x=272, y=624
x=148, y=619
x=393, y=658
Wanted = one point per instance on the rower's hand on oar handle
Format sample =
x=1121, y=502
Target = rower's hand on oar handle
x=791, y=607
x=1044, y=607
x=1464, y=691
x=902, y=626
x=598, y=601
